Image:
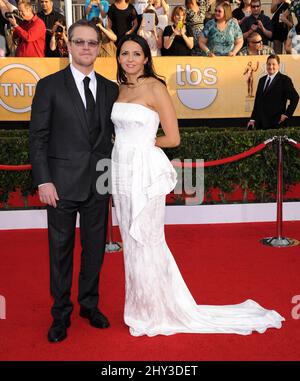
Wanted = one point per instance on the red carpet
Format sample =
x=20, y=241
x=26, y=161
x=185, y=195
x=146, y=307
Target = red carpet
x=221, y=264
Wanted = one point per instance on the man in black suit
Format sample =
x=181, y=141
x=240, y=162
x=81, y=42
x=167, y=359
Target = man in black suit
x=70, y=131
x=273, y=91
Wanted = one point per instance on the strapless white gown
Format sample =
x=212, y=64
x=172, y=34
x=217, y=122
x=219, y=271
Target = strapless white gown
x=157, y=300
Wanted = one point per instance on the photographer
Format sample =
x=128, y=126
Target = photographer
x=29, y=33
x=152, y=34
x=50, y=17
x=96, y=8
x=282, y=22
x=59, y=40
x=107, y=40
x=5, y=30
x=177, y=41
x=257, y=22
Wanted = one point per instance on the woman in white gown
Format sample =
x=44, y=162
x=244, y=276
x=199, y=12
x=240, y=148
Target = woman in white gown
x=157, y=300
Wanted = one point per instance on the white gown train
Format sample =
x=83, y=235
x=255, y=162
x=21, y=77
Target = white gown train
x=157, y=300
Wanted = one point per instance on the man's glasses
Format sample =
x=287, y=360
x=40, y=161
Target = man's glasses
x=255, y=6
x=82, y=43
x=256, y=42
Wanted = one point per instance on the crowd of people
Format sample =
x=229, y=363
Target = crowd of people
x=203, y=27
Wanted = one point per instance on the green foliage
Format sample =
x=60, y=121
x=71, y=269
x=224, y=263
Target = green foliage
x=256, y=174
x=14, y=151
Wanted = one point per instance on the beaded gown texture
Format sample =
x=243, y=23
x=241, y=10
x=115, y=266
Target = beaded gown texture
x=157, y=300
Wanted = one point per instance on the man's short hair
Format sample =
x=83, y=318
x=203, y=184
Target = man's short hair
x=26, y=3
x=252, y=35
x=274, y=57
x=255, y=1
x=84, y=23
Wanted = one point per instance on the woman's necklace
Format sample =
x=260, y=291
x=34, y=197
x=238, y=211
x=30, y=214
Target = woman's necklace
x=133, y=86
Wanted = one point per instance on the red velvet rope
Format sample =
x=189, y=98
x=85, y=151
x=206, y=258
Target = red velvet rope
x=225, y=160
x=24, y=167
x=212, y=163
x=294, y=144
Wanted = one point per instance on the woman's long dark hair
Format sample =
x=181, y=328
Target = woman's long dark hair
x=148, y=67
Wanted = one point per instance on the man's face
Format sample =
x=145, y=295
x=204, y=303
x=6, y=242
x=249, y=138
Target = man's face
x=46, y=5
x=26, y=13
x=272, y=66
x=255, y=8
x=255, y=43
x=84, y=46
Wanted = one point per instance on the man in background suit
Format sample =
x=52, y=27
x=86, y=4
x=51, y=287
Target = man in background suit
x=70, y=131
x=273, y=91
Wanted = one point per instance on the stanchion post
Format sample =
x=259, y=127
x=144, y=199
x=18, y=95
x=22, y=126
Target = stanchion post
x=111, y=246
x=279, y=240
x=279, y=186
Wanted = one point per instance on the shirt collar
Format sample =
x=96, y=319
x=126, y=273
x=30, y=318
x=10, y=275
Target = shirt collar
x=48, y=14
x=79, y=77
x=34, y=17
x=273, y=75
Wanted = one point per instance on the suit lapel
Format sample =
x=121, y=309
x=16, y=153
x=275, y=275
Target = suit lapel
x=261, y=84
x=76, y=100
x=275, y=79
x=100, y=103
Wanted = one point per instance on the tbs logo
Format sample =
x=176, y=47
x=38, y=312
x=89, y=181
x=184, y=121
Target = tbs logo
x=196, y=97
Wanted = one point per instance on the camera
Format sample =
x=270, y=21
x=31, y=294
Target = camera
x=59, y=29
x=255, y=23
x=96, y=20
x=180, y=24
x=14, y=13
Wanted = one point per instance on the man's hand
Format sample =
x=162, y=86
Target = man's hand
x=260, y=25
x=251, y=125
x=48, y=194
x=282, y=118
x=12, y=21
x=253, y=28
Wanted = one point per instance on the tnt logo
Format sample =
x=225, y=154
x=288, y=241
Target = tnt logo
x=17, y=85
x=196, y=97
x=2, y=308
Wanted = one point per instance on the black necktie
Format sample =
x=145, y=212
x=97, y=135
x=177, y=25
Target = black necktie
x=90, y=101
x=267, y=84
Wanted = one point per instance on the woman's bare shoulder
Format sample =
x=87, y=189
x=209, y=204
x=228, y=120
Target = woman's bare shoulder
x=155, y=86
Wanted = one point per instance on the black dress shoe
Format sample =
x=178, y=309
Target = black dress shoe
x=58, y=330
x=95, y=317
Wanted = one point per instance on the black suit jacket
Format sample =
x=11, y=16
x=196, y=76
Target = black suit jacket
x=60, y=148
x=269, y=106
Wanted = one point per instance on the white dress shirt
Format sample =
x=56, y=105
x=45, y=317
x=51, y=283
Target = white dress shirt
x=271, y=79
x=79, y=77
